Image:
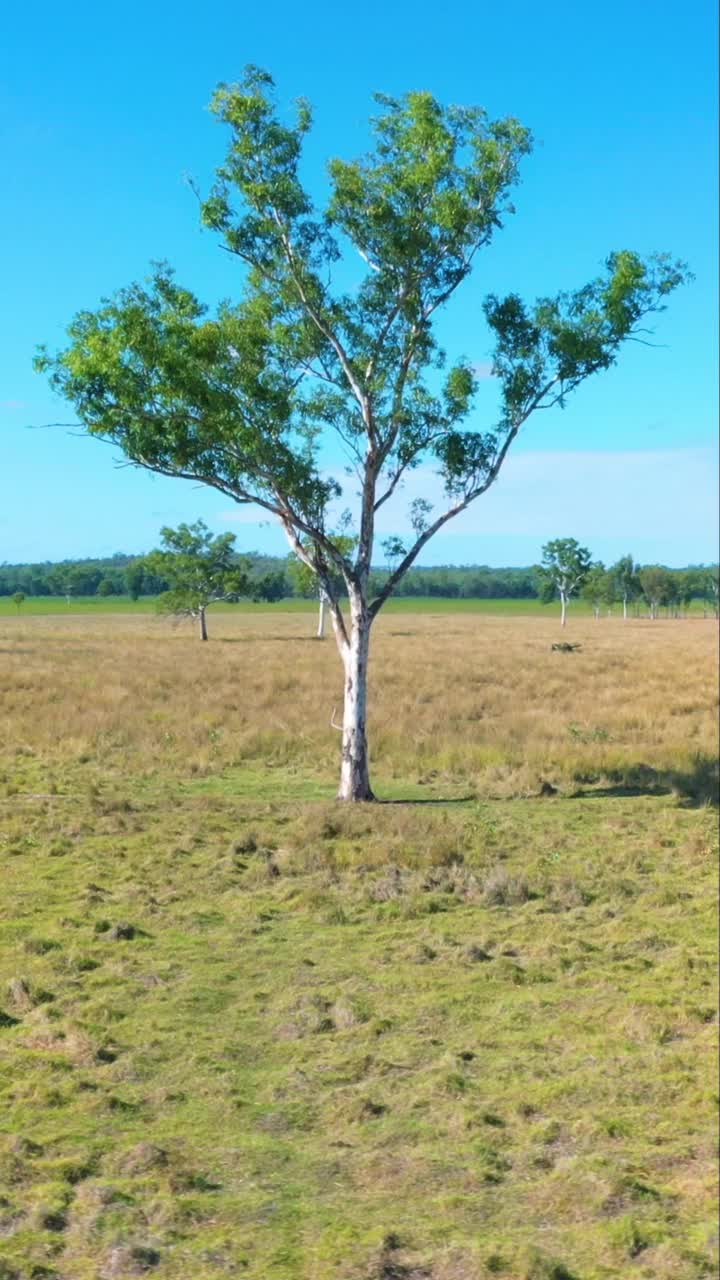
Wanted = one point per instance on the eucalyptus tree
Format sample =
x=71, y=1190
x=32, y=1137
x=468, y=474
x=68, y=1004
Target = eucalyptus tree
x=305, y=579
x=564, y=570
x=201, y=570
x=709, y=584
x=625, y=573
x=597, y=587
x=656, y=584
x=245, y=400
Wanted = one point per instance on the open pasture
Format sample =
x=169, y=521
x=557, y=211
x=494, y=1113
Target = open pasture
x=245, y=1031
x=99, y=606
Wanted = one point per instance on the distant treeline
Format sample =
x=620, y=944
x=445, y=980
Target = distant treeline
x=123, y=575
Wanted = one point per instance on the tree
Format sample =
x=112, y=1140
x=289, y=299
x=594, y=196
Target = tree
x=106, y=587
x=18, y=599
x=655, y=582
x=201, y=570
x=271, y=586
x=685, y=587
x=134, y=575
x=242, y=400
x=306, y=582
x=565, y=566
x=626, y=581
x=597, y=587
x=710, y=587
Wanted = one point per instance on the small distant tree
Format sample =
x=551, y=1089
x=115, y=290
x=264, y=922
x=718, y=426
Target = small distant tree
x=270, y=586
x=627, y=585
x=685, y=587
x=18, y=599
x=201, y=570
x=711, y=588
x=656, y=584
x=134, y=576
x=597, y=588
x=106, y=587
x=307, y=582
x=565, y=566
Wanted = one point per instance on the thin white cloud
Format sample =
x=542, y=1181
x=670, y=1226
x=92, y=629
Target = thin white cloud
x=588, y=494
x=639, y=494
x=245, y=514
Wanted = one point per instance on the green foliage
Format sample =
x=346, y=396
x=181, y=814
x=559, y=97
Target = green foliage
x=201, y=569
x=18, y=599
x=599, y=586
x=625, y=575
x=565, y=567
x=240, y=400
x=306, y=574
x=656, y=584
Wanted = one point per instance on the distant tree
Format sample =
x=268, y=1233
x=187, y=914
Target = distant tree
x=686, y=586
x=244, y=400
x=656, y=584
x=106, y=587
x=134, y=576
x=201, y=570
x=625, y=573
x=307, y=583
x=272, y=586
x=597, y=587
x=710, y=580
x=18, y=599
x=565, y=566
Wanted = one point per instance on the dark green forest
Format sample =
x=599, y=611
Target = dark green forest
x=272, y=579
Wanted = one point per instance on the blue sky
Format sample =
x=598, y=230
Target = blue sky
x=103, y=113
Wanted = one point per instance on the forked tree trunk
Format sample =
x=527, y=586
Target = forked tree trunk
x=202, y=626
x=354, y=770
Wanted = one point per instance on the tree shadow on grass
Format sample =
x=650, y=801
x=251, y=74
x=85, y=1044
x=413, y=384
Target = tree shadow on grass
x=437, y=800
x=694, y=788
x=263, y=639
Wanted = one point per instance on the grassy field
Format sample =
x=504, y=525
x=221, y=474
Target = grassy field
x=35, y=606
x=466, y=1033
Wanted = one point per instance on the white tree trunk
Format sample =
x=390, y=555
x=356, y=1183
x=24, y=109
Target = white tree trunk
x=321, y=618
x=354, y=771
x=202, y=625
x=624, y=608
x=563, y=609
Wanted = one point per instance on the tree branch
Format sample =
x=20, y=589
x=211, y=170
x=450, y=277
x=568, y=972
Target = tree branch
x=325, y=581
x=469, y=497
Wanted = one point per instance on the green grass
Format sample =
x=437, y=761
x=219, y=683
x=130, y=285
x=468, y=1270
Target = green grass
x=451, y=1041
x=42, y=605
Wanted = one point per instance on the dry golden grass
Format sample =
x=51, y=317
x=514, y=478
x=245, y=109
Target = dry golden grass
x=474, y=700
